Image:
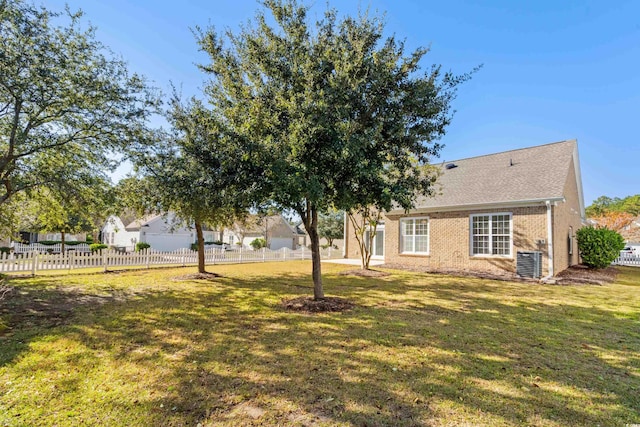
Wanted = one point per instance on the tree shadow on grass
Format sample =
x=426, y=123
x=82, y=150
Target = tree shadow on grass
x=410, y=353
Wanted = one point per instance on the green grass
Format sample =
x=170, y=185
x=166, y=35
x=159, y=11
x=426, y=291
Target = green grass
x=138, y=348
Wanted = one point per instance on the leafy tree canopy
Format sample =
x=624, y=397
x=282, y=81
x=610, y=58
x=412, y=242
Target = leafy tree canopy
x=192, y=173
x=66, y=104
x=336, y=115
x=604, y=205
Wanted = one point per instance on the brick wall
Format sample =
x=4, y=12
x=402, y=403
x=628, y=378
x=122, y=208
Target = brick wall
x=566, y=219
x=449, y=240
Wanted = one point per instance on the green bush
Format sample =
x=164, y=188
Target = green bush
x=49, y=242
x=56, y=242
x=258, y=243
x=5, y=250
x=90, y=239
x=97, y=246
x=142, y=245
x=599, y=247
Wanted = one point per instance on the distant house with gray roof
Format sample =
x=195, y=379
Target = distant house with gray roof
x=509, y=211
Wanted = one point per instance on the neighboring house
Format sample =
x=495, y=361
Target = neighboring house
x=80, y=237
x=492, y=213
x=305, y=240
x=35, y=237
x=115, y=234
x=163, y=232
x=275, y=229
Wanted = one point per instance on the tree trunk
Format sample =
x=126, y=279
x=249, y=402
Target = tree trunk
x=318, y=292
x=309, y=218
x=62, y=241
x=200, y=240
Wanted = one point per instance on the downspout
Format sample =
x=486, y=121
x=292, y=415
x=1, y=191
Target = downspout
x=344, y=236
x=549, y=242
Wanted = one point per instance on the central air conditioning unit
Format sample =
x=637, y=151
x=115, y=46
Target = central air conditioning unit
x=529, y=264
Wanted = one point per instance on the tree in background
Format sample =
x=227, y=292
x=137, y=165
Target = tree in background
x=80, y=207
x=604, y=205
x=193, y=173
x=331, y=226
x=326, y=112
x=66, y=106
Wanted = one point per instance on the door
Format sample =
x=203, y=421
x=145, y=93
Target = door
x=378, y=242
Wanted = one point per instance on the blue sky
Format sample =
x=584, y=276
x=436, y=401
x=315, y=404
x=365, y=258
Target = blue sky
x=552, y=70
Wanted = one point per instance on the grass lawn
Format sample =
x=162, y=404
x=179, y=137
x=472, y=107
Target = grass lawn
x=139, y=348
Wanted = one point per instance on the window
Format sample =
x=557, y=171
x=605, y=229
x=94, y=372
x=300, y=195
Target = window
x=491, y=234
x=414, y=234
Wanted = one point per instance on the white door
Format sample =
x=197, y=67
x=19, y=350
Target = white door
x=378, y=242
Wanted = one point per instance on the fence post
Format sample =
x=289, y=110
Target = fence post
x=329, y=254
x=105, y=259
x=284, y=254
x=34, y=258
x=183, y=262
x=302, y=249
x=70, y=259
x=240, y=254
x=147, y=254
x=264, y=254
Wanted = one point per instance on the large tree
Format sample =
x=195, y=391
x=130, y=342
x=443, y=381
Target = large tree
x=193, y=173
x=66, y=104
x=330, y=111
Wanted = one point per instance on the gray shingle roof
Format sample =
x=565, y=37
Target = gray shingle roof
x=526, y=174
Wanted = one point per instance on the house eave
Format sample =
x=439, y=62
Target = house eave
x=478, y=206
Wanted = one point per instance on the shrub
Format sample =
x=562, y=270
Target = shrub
x=599, y=247
x=49, y=242
x=97, y=247
x=258, y=243
x=142, y=245
x=90, y=239
x=5, y=250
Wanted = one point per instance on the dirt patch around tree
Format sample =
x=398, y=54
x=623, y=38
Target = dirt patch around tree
x=323, y=305
x=364, y=273
x=197, y=276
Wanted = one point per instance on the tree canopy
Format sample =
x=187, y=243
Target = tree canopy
x=192, y=173
x=604, y=205
x=334, y=115
x=67, y=105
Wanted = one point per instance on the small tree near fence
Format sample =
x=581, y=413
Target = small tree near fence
x=599, y=247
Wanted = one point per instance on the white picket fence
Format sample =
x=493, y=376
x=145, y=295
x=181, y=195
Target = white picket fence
x=626, y=259
x=21, y=248
x=33, y=262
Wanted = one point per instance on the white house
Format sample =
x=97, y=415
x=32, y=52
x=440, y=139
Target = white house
x=163, y=232
x=114, y=233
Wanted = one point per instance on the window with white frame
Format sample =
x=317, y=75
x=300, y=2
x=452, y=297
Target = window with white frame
x=414, y=233
x=491, y=234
